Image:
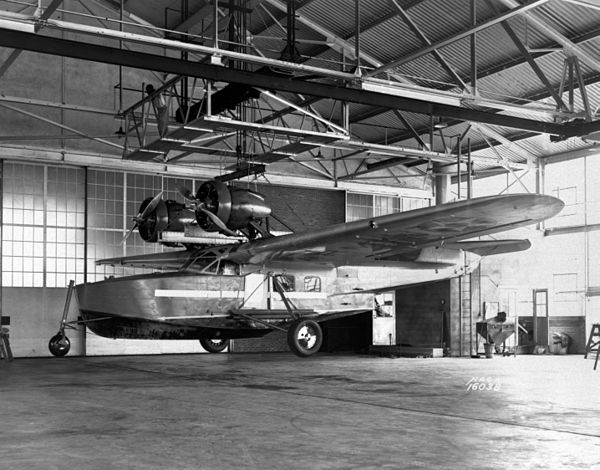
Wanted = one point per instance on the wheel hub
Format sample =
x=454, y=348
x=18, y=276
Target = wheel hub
x=307, y=337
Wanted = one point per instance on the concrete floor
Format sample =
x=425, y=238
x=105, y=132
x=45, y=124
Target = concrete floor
x=276, y=411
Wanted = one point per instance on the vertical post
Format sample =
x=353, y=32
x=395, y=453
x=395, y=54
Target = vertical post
x=346, y=116
x=120, y=66
x=216, y=23
x=458, y=172
x=291, y=29
x=357, y=36
x=85, y=224
x=571, y=84
x=442, y=183
x=431, y=131
x=469, y=170
x=209, y=98
x=1, y=230
x=473, y=49
x=460, y=317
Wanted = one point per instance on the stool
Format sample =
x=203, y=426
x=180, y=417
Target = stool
x=5, y=351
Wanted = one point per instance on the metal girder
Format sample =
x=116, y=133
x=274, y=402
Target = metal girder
x=583, y=3
x=340, y=45
x=417, y=31
x=509, y=145
x=17, y=52
x=134, y=59
x=516, y=10
x=61, y=126
x=529, y=58
x=504, y=163
x=570, y=48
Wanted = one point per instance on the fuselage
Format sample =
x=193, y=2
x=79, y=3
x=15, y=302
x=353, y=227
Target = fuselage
x=181, y=305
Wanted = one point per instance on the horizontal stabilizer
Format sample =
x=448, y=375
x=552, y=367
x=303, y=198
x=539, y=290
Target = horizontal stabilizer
x=490, y=247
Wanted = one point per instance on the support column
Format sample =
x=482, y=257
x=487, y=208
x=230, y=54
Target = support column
x=442, y=184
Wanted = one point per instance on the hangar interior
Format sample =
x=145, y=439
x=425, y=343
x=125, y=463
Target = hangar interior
x=335, y=111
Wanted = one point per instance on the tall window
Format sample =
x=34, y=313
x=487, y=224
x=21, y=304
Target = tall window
x=105, y=221
x=384, y=205
x=359, y=206
x=363, y=206
x=43, y=210
x=44, y=224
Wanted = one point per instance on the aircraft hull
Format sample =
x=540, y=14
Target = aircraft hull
x=165, y=306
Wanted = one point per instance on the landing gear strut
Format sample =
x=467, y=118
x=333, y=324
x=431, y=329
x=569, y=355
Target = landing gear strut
x=59, y=344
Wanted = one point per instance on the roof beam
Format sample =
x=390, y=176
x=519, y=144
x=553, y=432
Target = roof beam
x=135, y=59
x=339, y=45
x=417, y=31
x=570, y=48
x=17, y=52
x=466, y=33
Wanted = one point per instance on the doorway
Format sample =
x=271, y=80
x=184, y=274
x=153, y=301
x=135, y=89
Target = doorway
x=540, y=317
x=384, y=319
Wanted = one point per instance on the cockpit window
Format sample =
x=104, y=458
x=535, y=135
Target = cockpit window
x=287, y=282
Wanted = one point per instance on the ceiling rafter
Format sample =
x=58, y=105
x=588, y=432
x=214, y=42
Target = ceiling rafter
x=463, y=34
x=17, y=52
x=580, y=39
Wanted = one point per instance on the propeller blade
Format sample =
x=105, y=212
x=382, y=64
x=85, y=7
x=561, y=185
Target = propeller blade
x=215, y=220
x=150, y=207
x=129, y=232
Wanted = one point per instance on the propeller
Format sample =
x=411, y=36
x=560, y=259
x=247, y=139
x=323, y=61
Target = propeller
x=138, y=219
x=200, y=206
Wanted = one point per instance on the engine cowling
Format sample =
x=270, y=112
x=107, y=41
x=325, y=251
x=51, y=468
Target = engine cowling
x=235, y=207
x=168, y=214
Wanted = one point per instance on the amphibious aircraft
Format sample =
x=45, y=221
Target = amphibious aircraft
x=234, y=279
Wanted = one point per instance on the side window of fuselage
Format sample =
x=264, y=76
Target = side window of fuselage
x=312, y=284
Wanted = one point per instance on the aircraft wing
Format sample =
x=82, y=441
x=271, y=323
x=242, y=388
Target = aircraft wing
x=403, y=236
x=414, y=236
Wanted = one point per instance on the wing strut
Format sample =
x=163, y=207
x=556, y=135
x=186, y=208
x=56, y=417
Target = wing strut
x=289, y=306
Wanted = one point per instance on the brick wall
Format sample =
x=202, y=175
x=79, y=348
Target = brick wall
x=303, y=209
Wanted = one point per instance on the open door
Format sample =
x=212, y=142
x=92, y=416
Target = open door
x=540, y=317
x=384, y=319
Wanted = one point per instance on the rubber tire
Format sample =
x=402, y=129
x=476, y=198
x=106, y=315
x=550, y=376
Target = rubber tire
x=298, y=341
x=212, y=347
x=59, y=345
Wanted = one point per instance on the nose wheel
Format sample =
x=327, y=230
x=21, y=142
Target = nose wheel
x=305, y=337
x=59, y=344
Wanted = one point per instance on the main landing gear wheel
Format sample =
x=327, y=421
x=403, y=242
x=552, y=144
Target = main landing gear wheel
x=305, y=337
x=59, y=345
x=214, y=345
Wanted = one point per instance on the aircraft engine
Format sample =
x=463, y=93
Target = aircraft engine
x=234, y=208
x=166, y=215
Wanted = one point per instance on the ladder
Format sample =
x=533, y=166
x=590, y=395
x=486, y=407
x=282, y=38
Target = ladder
x=593, y=344
x=5, y=351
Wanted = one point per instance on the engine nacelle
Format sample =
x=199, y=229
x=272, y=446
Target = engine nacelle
x=235, y=207
x=167, y=214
